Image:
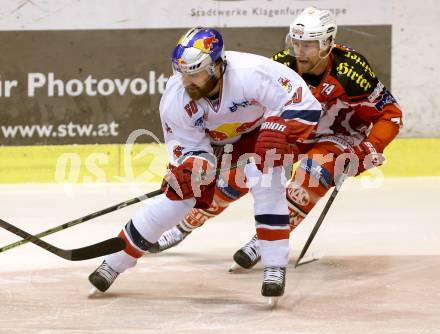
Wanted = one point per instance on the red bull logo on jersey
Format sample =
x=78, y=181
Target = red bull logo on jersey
x=231, y=130
x=249, y=125
x=216, y=135
x=205, y=44
x=286, y=84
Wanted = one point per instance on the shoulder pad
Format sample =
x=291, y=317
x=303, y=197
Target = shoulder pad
x=344, y=47
x=353, y=72
x=283, y=57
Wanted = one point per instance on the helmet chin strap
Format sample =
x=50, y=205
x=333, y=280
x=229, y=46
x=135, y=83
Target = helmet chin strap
x=317, y=64
x=328, y=52
x=321, y=58
x=217, y=80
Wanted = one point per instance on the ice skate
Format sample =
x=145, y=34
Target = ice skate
x=274, y=282
x=168, y=239
x=102, y=278
x=247, y=256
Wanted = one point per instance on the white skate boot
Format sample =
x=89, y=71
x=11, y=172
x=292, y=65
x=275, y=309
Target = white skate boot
x=102, y=278
x=274, y=282
x=168, y=239
x=247, y=256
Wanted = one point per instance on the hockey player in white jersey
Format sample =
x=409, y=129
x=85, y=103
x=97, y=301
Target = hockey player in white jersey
x=217, y=98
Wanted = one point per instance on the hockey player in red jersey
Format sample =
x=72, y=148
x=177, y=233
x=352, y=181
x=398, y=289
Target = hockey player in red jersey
x=360, y=116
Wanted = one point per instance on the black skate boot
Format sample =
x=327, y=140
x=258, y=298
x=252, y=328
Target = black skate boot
x=168, y=239
x=274, y=282
x=247, y=256
x=102, y=278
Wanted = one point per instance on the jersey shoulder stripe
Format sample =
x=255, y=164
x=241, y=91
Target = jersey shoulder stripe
x=306, y=115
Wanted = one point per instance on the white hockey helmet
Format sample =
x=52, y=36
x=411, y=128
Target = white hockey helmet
x=313, y=24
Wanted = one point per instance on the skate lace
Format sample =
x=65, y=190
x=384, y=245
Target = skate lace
x=107, y=272
x=274, y=275
x=169, y=238
x=251, y=249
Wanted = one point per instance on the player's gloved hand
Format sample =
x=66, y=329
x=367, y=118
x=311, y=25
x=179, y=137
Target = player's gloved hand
x=273, y=136
x=186, y=180
x=369, y=155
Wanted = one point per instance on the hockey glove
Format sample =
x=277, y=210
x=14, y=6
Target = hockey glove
x=273, y=137
x=368, y=154
x=188, y=179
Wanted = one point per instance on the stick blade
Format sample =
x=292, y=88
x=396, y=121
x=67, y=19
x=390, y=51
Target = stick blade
x=102, y=248
x=297, y=264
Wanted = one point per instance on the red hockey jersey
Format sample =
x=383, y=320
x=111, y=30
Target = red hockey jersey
x=354, y=101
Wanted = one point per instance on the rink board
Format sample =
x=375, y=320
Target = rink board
x=147, y=162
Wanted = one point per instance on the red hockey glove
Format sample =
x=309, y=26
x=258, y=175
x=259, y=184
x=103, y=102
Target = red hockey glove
x=368, y=154
x=187, y=180
x=273, y=135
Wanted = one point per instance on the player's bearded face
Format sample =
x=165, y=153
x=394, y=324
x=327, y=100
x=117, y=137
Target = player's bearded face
x=199, y=84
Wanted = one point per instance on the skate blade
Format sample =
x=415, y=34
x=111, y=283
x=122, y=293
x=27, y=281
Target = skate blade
x=236, y=268
x=272, y=302
x=93, y=292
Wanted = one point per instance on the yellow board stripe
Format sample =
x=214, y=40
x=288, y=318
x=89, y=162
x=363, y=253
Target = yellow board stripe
x=82, y=163
x=407, y=157
x=147, y=162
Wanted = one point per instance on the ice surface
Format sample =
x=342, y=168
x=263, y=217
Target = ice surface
x=379, y=267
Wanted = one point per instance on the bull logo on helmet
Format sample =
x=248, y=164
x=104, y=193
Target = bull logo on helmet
x=206, y=44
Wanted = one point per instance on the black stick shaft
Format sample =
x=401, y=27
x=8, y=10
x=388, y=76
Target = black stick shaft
x=96, y=250
x=323, y=214
x=85, y=218
x=317, y=225
x=105, y=211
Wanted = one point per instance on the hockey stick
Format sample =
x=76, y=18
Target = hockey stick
x=84, y=219
x=340, y=180
x=102, y=212
x=105, y=247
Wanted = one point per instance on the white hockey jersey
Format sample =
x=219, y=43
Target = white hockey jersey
x=252, y=89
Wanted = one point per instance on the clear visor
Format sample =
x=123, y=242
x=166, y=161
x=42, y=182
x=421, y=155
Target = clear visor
x=300, y=48
x=190, y=60
x=189, y=69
